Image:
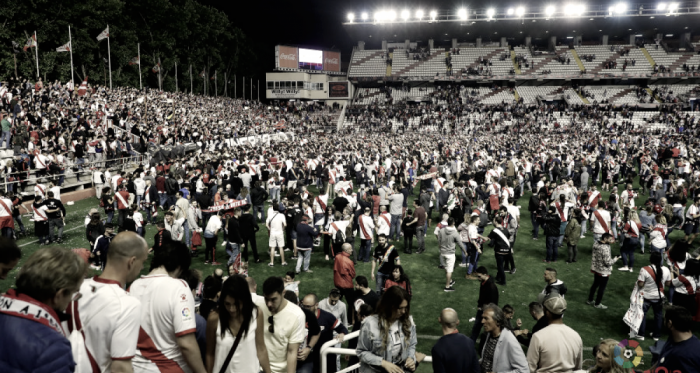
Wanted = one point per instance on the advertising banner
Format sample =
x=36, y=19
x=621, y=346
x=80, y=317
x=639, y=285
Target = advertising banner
x=283, y=93
x=331, y=61
x=338, y=89
x=288, y=57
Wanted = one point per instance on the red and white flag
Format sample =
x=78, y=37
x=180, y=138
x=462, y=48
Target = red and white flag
x=83, y=87
x=203, y=74
x=30, y=43
x=156, y=68
x=104, y=34
x=134, y=61
x=64, y=48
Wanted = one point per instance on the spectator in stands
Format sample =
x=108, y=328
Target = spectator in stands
x=47, y=282
x=556, y=347
x=236, y=318
x=110, y=319
x=501, y=352
x=282, y=342
x=393, y=306
x=453, y=352
x=10, y=254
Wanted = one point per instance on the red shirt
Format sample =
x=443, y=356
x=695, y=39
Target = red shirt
x=343, y=271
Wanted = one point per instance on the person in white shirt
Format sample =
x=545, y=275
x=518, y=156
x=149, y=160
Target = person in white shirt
x=692, y=221
x=651, y=281
x=167, y=336
x=211, y=235
x=109, y=318
x=138, y=220
x=284, y=327
x=140, y=186
x=366, y=233
x=276, y=224
x=56, y=190
x=98, y=180
x=600, y=220
x=174, y=226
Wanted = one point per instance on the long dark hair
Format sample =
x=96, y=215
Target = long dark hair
x=236, y=287
x=390, y=300
x=403, y=277
x=655, y=260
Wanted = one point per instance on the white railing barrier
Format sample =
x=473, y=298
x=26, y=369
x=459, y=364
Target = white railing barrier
x=329, y=348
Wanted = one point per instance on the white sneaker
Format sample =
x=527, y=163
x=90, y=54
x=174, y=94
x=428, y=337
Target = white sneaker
x=631, y=270
x=277, y=254
x=582, y=236
x=623, y=269
x=462, y=264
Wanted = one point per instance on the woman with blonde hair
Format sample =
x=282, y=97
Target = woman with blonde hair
x=605, y=358
x=245, y=195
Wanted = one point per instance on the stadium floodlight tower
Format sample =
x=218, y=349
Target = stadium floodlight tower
x=618, y=9
x=510, y=11
x=549, y=11
x=405, y=15
x=364, y=16
x=490, y=13
x=351, y=17
x=419, y=14
x=574, y=10
x=462, y=14
x=433, y=15
x=520, y=12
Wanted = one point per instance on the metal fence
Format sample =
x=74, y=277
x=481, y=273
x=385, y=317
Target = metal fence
x=329, y=348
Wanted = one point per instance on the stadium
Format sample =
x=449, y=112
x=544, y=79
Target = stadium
x=558, y=139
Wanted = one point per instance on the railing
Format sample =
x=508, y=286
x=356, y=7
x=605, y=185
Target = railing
x=329, y=348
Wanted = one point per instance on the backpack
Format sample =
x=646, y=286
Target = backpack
x=339, y=238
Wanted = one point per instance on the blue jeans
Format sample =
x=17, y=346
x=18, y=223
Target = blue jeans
x=188, y=234
x=465, y=256
x=420, y=238
x=110, y=216
x=627, y=251
x=261, y=209
x=365, y=249
x=163, y=198
x=275, y=194
x=654, y=249
x=233, y=250
x=657, y=305
x=535, y=225
x=395, y=230
x=306, y=366
x=18, y=220
x=473, y=260
x=380, y=278
x=6, y=137
x=304, y=256
x=552, y=248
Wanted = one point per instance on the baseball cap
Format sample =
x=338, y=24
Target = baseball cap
x=555, y=304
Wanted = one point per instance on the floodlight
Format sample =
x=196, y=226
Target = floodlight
x=672, y=7
x=419, y=14
x=462, y=13
x=661, y=6
x=405, y=14
x=392, y=15
x=351, y=17
x=520, y=11
x=364, y=16
x=510, y=11
x=379, y=16
x=433, y=15
x=620, y=8
x=491, y=12
x=549, y=11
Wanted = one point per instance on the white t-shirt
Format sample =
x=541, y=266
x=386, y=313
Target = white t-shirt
x=167, y=313
x=213, y=225
x=245, y=359
x=650, y=289
x=289, y=328
x=110, y=320
x=276, y=221
x=138, y=219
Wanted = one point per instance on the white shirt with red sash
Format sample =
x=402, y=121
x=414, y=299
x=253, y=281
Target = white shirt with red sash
x=601, y=222
x=631, y=229
x=384, y=223
x=40, y=190
x=657, y=236
x=320, y=204
x=366, y=224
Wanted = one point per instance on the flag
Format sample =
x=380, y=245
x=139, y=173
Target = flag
x=203, y=74
x=104, y=34
x=83, y=87
x=30, y=43
x=64, y=48
x=134, y=61
x=15, y=47
x=156, y=68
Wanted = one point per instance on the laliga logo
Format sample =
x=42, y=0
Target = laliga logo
x=628, y=354
x=290, y=57
x=332, y=61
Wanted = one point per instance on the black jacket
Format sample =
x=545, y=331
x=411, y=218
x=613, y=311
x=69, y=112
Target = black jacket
x=488, y=293
x=534, y=204
x=248, y=226
x=552, y=224
x=234, y=231
x=258, y=196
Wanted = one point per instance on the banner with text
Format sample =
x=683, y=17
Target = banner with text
x=338, y=90
x=287, y=57
x=331, y=61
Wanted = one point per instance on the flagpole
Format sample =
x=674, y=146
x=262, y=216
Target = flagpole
x=225, y=85
x=244, y=87
x=138, y=47
x=251, y=89
x=234, y=86
x=216, y=89
x=191, y=84
x=175, y=76
x=109, y=59
x=70, y=43
x=36, y=41
x=258, y=89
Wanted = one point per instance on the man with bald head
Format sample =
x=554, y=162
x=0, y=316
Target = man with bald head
x=454, y=352
x=110, y=318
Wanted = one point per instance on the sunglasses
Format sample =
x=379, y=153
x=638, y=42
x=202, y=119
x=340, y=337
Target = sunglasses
x=271, y=328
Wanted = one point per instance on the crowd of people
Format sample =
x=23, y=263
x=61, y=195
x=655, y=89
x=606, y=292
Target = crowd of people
x=358, y=199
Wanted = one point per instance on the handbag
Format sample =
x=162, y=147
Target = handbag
x=232, y=351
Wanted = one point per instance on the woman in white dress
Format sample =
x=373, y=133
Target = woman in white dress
x=236, y=310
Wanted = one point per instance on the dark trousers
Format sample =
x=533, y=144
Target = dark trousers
x=573, y=252
x=408, y=242
x=476, y=329
x=658, y=307
x=627, y=250
x=211, y=248
x=599, y=283
x=501, y=276
x=250, y=242
x=552, y=249
x=122, y=216
x=535, y=225
x=349, y=295
x=365, y=249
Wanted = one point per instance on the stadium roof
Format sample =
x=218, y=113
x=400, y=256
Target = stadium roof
x=491, y=24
